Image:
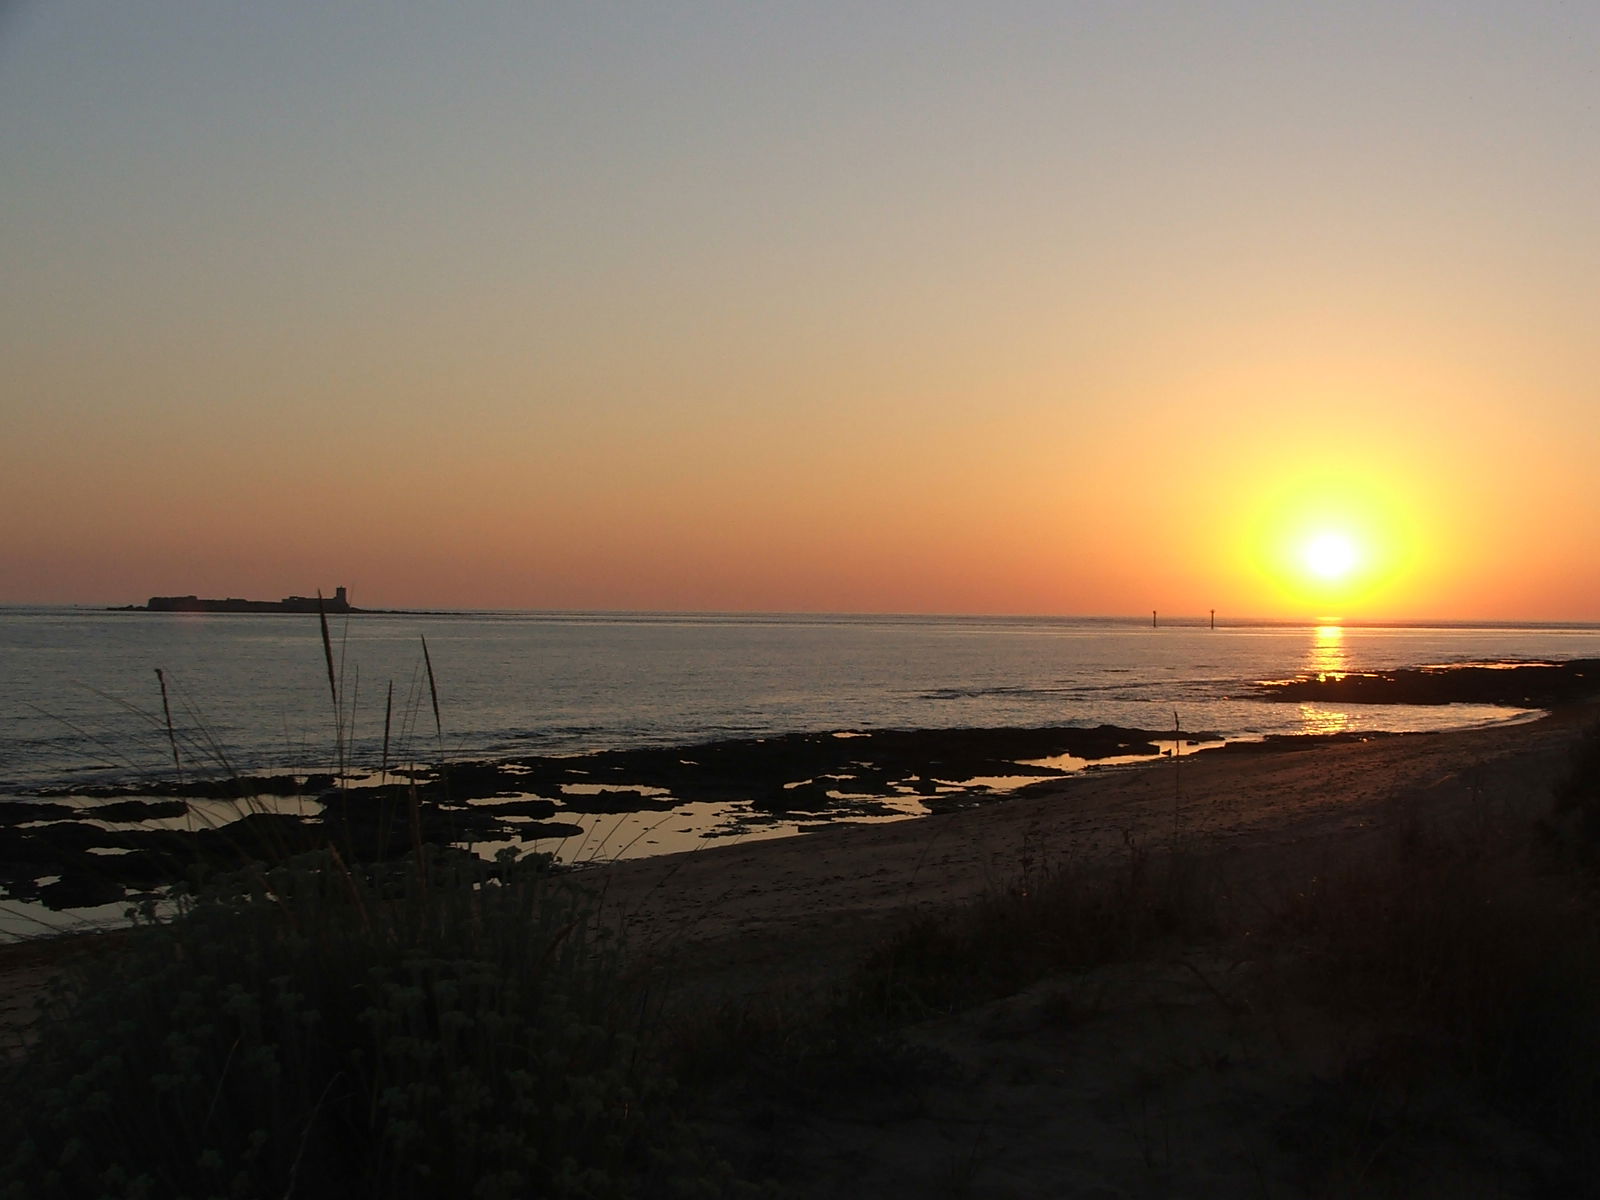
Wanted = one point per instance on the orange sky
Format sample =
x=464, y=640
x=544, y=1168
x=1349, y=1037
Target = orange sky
x=1049, y=309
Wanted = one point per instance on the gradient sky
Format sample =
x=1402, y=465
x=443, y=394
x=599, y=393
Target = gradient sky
x=1013, y=307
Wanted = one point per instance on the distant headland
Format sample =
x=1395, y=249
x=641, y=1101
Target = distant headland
x=339, y=602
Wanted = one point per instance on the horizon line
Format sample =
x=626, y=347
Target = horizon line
x=1200, y=619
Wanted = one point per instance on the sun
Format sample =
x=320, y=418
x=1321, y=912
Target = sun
x=1330, y=556
x=1319, y=542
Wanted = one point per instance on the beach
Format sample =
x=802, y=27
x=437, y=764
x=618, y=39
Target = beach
x=766, y=913
x=1162, y=1075
x=1202, y=1069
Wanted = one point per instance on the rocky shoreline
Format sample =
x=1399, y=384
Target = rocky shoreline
x=1515, y=684
x=75, y=847
x=78, y=847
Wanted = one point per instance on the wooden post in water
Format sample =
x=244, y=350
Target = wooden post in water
x=1152, y=618
x=1213, y=618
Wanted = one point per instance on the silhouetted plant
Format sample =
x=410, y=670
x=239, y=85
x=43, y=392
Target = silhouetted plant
x=319, y=1030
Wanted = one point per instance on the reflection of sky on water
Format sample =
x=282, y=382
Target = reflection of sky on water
x=693, y=825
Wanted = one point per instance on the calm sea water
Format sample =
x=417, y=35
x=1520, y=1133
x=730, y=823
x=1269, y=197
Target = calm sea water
x=81, y=702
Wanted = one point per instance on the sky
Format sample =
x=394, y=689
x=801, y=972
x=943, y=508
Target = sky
x=1022, y=307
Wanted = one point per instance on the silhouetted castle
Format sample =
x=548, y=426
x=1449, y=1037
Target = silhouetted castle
x=338, y=603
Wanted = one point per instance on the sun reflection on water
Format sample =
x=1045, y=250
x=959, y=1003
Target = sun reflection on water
x=1315, y=719
x=1327, y=654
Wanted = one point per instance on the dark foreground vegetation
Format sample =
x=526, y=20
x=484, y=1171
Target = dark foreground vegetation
x=428, y=1029
x=433, y=1028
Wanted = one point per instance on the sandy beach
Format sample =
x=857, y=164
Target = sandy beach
x=1165, y=1079
x=1162, y=1077
x=767, y=914
x=764, y=913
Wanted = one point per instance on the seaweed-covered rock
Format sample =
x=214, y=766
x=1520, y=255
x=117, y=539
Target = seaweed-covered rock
x=1521, y=685
x=226, y=787
x=81, y=889
x=618, y=801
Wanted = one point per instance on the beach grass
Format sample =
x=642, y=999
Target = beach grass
x=316, y=1029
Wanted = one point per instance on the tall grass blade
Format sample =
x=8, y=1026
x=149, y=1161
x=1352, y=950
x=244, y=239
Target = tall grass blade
x=388, y=716
x=433, y=691
x=438, y=730
x=327, y=651
x=172, y=736
x=333, y=684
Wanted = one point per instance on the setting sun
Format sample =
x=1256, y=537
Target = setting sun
x=1331, y=556
x=1336, y=537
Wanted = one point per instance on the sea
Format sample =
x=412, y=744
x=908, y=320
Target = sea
x=98, y=697
x=109, y=699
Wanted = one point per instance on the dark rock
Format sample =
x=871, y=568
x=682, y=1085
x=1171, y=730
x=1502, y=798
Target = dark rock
x=477, y=780
x=229, y=787
x=1274, y=742
x=18, y=812
x=81, y=889
x=137, y=810
x=615, y=802
x=809, y=797
x=1517, y=685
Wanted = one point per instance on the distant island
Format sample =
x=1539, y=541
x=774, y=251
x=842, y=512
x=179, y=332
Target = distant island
x=339, y=602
